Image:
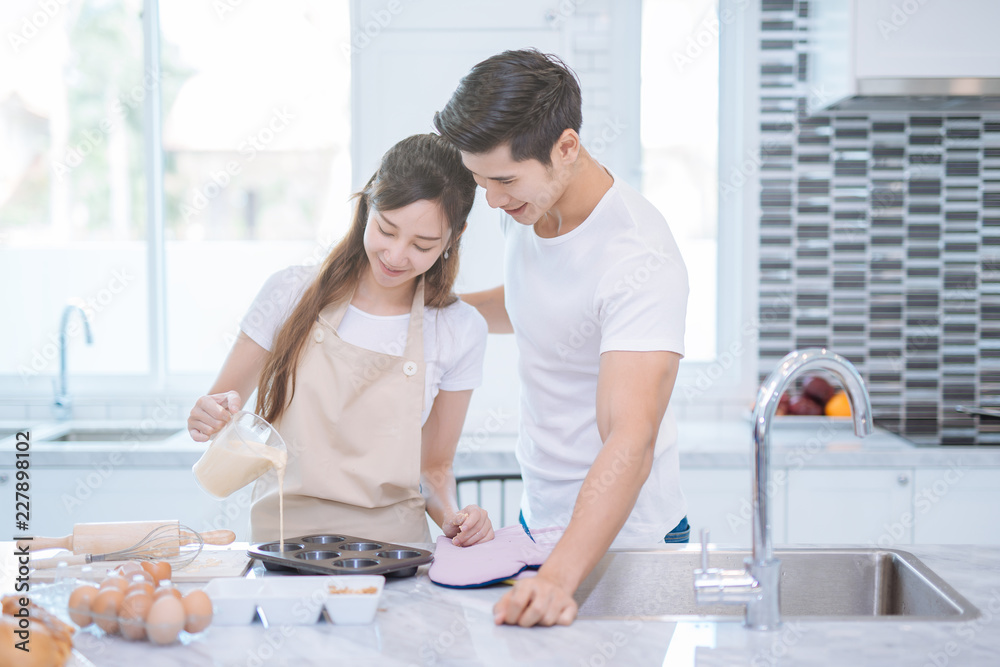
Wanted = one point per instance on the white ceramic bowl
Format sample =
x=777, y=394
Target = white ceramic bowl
x=234, y=600
x=296, y=600
x=354, y=608
x=293, y=600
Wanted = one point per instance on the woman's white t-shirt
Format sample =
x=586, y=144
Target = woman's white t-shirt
x=454, y=336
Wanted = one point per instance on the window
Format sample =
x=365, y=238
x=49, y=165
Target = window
x=72, y=192
x=256, y=175
x=256, y=153
x=680, y=133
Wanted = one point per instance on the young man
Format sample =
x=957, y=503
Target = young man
x=595, y=292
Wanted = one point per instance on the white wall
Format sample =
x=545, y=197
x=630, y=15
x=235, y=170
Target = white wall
x=409, y=56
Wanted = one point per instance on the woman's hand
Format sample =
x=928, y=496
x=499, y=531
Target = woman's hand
x=210, y=413
x=469, y=526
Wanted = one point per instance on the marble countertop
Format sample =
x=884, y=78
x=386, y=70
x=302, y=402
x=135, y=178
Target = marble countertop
x=798, y=442
x=419, y=623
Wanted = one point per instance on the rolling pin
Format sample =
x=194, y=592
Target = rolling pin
x=112, y=536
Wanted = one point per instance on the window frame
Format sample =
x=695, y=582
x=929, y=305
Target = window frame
x=730, y=377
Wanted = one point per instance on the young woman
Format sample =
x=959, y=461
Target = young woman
x=366, y=365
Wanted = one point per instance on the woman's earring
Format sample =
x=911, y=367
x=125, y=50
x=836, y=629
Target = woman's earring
x=446, y=253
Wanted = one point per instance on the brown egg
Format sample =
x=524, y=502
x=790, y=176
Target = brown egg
x=115, y=581
x=80, y=601
x=149, y=567
x=165, y=620
x=165, y=590
x=132, y=615
x=105, y=609
x=162, y=571
x=198, y=611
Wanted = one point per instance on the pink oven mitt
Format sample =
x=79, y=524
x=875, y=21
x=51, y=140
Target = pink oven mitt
x=510, y=552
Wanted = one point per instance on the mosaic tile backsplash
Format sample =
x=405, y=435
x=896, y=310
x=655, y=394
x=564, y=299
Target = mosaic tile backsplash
x=880, y=239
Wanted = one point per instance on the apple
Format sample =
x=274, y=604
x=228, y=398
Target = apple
x=818, y=389
x=804, y=406
x=783, y=403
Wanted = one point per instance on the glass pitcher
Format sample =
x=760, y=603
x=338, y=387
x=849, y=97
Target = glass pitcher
x=243, y=450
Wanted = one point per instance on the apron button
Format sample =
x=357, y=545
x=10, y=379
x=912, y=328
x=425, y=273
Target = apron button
x=318, y=335
x=409, y=368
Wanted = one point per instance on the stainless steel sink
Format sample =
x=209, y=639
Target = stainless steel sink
x=104, y=431
x=111, y=435
x=816, y=584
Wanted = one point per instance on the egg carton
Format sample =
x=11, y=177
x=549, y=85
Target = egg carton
x=340, y=554
x=55, y=598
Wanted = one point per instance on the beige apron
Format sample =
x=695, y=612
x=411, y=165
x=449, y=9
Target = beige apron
x=353, y=435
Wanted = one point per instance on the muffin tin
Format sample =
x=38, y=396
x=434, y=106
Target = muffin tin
x=340, y=554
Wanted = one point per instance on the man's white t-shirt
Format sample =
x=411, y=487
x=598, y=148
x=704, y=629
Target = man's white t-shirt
x=616, y=282
x=454, y=336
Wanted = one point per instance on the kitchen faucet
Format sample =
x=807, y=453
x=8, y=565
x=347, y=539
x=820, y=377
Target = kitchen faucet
x=63, y=406
x=758, y=584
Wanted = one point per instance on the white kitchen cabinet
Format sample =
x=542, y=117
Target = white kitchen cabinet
x=869, y=506
x=719, y=501
x=956, y=506
x=61, y=497
x=872, y=54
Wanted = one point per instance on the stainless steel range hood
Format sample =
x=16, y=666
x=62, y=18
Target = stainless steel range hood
x=911, y=55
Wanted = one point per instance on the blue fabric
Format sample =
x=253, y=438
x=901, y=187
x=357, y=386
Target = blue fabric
x=679, y=535
x=520, y=517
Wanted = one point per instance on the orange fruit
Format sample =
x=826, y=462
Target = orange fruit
x=838, y=406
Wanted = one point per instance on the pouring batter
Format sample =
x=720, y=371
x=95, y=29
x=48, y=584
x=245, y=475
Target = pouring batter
x=366, y=365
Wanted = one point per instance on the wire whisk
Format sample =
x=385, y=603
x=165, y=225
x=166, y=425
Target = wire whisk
x=161, y=544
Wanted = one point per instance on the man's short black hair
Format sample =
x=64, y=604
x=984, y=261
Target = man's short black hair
x=524, y=98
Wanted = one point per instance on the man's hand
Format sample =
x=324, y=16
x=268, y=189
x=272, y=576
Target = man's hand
x=535, y=601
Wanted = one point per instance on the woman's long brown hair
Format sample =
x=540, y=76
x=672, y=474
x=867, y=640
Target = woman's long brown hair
x=423, y=166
